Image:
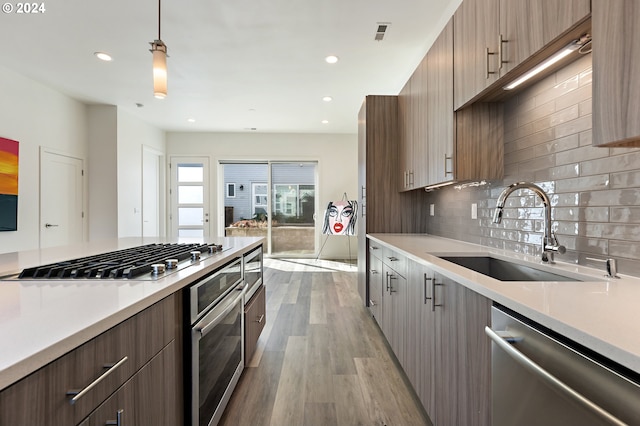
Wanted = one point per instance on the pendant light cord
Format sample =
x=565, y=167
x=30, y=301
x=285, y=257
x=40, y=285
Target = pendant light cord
x=159, y=1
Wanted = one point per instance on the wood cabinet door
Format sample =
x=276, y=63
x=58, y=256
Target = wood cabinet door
x=526, y=26
x=616, y=67
x=476, y=31
x=448, y=316
x=405, y=136
x=474, y=359
x=375, y=288
x=419, y=175
x=440, y=115
x=255, y=317
x=393, y=310
x=463, y=355
x=398, y=290
x=148, y=398
x=413, y=309
x=421, y=342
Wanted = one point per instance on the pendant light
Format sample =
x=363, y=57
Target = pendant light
x=159, y=51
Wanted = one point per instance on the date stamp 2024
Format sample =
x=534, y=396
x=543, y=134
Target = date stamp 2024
x=24, y=8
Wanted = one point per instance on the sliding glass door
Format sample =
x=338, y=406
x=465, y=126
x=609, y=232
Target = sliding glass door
x=276, y=200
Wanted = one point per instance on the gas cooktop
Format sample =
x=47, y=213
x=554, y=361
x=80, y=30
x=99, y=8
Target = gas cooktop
x=147, y=262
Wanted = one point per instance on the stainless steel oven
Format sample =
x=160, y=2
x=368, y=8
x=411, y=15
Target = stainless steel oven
x=253, y=271
x=214, y=357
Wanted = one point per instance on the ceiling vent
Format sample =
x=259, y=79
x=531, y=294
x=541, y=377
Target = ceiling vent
x=382, y=29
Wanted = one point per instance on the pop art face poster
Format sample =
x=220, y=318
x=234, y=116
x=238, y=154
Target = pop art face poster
x=8, y=185
x=340, y=218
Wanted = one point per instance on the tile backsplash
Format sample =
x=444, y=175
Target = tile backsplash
x=595, y=192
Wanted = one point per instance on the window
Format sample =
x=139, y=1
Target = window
x=231, y=190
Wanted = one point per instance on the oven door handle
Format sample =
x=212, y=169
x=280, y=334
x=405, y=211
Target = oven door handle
x=203, y=330
x=550, y=379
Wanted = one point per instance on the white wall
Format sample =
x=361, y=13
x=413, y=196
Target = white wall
x=132, y=135
x=107, y=139
x=36, y=116
x=336, y=154
x=102, y=173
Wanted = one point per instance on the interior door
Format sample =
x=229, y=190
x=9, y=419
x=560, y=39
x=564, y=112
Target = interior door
x=151, y=194
x=190, y=197
x=61, y=199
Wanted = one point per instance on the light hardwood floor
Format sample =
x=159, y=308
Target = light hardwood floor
x=321, y=359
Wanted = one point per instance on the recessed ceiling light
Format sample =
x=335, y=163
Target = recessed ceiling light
x=191, y=120
x=103, y=56
x=331, y=59
x=325, y=121
x=327, y=99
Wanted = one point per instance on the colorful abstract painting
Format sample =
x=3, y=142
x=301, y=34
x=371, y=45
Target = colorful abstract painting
x=8, y=185
x=340, y=218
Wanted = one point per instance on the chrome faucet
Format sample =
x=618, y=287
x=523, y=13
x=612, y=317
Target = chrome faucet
x=550, y=243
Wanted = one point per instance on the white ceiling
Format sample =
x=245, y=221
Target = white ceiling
x=233, y=64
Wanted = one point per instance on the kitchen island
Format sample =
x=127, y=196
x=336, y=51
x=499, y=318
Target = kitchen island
x=42, y=320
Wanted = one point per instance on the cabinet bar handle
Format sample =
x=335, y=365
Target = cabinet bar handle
x=392, y=258
x=549, y=378
x=388, y=274
x=501, y=42
x=411, y=178
x=433, y=295
x=372, y=303
x=79, y=394
x=391, y=277
x=374, y=272
x=446, y=157
x=117, y=421
x=425, y=288
x=487, y=60
x=259, y=320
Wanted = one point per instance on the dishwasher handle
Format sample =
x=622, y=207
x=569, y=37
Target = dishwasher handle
x=549, y=378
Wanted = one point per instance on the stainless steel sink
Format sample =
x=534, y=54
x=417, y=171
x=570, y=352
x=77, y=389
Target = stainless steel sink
x=504, y=270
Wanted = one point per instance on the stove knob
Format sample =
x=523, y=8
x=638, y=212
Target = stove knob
x=195, y=255
x=219, y=247
x=157, y=268
x=213, y=249
x=171, y=263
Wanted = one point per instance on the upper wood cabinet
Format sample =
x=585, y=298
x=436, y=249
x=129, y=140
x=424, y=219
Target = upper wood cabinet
x=476, y=31
x=494, y=38
x=526, y=26
x=616, y=67
x=412, y=110
x=405, y=137
x=446, y=146
x=440, y=118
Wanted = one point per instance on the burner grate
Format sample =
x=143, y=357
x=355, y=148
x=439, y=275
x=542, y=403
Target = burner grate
x=121, y=264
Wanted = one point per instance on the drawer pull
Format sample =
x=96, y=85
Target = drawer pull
x=79, y=394
x=393, y=259
x=259, y=320
x=117, y=421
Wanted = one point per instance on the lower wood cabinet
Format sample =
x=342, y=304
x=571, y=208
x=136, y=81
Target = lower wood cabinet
x=142, y=400
x=393, y=305
x=110, y=360
x=435, y=326
x=255, y=317
x=375, y=279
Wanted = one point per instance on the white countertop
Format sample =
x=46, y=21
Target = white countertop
x=42, y=320
x=601, y=313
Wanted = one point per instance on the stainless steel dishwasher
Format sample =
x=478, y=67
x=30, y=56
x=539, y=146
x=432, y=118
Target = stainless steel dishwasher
x=541, y=378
